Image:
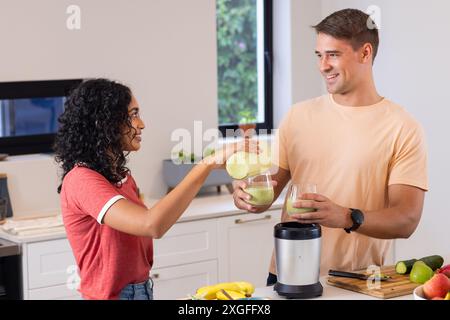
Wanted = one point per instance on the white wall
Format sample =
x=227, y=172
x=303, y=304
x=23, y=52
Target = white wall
x=295, y=73
x=412, y=69
x=282, y=60
x=164, y=49
x=306, y=80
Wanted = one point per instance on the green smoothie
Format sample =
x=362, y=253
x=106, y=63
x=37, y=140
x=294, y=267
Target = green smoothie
x=291, y=210
x=261, y=196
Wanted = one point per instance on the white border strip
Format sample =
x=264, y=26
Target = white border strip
x=107, y=206
x=260, y=56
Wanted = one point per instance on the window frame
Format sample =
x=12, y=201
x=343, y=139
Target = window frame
x=268, y=75
x=40, y=143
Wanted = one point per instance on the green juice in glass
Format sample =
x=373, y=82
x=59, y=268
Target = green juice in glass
x=261, y=195
x=291, y=210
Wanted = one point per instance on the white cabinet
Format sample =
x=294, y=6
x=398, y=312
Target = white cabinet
x=191, y=254
x=49, y=270
x=186, y=242
x=199, y=253
x=48, y=263
x=185, y=259
x=245, y=246
x=177, y=282
x=61, y=292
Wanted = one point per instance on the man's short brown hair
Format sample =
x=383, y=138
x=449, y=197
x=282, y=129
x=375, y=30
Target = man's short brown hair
x=353, y=25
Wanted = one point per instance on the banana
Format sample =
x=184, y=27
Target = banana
x=246, y=287
x=207, y=292
x=210, y=292
x=233, y=286
x=233, y=294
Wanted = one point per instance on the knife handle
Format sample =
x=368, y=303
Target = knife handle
x=347, y=274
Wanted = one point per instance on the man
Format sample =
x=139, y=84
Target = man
x=366, y=154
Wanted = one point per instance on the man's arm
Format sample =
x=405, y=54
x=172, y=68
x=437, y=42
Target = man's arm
x=279, y=181
x=398, y=220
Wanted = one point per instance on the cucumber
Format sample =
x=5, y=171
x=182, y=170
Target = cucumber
x=434, y=262
x=405, y=266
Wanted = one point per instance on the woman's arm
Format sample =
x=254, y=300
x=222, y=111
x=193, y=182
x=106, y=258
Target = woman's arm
x=128, y=217
x=131, y=218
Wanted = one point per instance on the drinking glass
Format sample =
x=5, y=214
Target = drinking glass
x=294, y=192
x=261, y=190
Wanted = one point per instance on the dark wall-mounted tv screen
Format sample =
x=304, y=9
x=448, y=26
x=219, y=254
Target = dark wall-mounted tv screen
x=29, y=112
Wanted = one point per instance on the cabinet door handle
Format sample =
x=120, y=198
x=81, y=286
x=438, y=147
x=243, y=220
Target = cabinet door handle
x=240, y=221
x=155, y=276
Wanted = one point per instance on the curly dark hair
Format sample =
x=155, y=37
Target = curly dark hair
x=92, y=129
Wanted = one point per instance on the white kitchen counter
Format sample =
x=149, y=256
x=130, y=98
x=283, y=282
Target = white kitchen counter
x=329, y=293
x=205, y=207
x=202, y=207
x=334, y=293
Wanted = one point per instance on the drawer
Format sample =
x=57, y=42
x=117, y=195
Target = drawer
x=246, y=246
x=187, y=242
x=61, y=292
x=50, y=263
x=180, y=281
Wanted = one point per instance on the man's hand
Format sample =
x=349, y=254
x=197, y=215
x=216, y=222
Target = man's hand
x=328, y=213
x=240, y=197
x=404, y=212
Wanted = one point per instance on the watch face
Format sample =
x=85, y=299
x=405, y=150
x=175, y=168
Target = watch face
x=357, y=216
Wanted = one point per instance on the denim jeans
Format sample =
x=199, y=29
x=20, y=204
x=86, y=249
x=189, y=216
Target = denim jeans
x=138, y=291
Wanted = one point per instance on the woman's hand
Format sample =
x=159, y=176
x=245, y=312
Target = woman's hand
x=221, y=155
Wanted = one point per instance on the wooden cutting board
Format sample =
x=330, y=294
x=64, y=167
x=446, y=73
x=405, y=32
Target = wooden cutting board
x=398, y=285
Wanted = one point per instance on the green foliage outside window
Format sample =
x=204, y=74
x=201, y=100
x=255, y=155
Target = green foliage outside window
x=237, y=61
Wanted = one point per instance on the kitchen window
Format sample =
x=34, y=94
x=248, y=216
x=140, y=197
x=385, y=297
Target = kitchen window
x=244, y=58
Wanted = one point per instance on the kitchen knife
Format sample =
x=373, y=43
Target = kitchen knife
x=360, y=276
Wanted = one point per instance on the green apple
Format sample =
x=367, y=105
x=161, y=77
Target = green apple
x=420, y=272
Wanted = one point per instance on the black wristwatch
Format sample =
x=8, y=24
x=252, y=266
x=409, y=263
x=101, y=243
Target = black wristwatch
x=357, y=218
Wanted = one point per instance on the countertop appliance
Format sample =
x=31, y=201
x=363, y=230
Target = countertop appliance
x=297, y=257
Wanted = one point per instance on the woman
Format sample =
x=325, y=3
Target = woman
x=109, y=228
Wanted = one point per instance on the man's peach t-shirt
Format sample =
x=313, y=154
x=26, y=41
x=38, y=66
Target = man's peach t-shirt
x=353, y=154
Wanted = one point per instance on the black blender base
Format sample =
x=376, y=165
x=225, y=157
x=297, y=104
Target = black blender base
x=299, y=292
